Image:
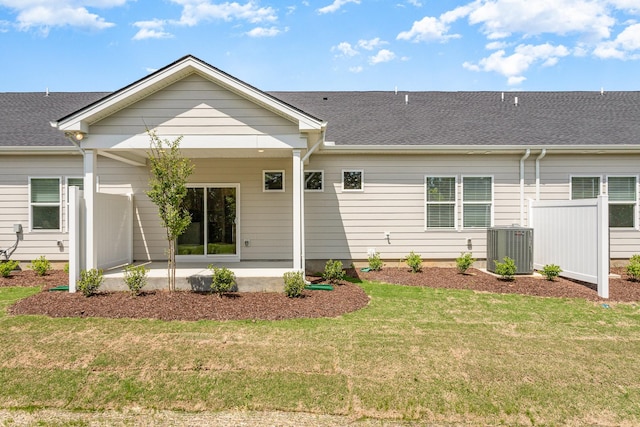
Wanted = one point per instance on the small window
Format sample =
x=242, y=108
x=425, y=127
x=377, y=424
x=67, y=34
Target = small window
x=441, y=202
x=352, y=180
x=72, y=182
x=273, y=180
x=585, y=187
x=622, y=192
x=477, y=202
x=44, y=200
x=314, y=180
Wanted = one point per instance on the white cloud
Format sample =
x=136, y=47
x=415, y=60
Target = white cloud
x=513, y=66
x=264, y=32
x=345, y=49
x=357, y=69
x=500, y=18
x=195, y=11
x=415, y=3
x=431, y=28
x=43, y=15
x=371, y=44
x=153, y=29
x=383, y=55
x=336, y=5
x=496, y=45
x=625, y=46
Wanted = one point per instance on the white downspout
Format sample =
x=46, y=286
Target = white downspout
x=522, y=159
x=540, y=157
x=303, y=245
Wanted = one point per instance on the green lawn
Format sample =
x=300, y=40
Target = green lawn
x=415, y=353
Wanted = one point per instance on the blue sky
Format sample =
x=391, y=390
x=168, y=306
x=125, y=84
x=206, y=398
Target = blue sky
x=448, y=45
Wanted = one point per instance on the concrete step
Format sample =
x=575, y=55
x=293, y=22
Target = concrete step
x=250, y=277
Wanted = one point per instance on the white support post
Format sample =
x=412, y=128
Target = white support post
x=297, y=211
x=74, y=237
x=90, y=160
x=603, y=246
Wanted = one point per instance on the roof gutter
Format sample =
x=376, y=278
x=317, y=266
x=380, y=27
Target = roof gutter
x=479, y=149
x=315, y=146
x=522, y=159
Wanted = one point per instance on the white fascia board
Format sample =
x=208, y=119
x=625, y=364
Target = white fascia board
x=34, y=150
x=481, y=149
x=141, y=141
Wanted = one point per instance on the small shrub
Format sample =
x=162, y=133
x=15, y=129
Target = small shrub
x=7, y=267
x=375, y=263
x=464, y=262
x=414, y=261
x=90, y=281
x=222, y=281
x=66, y=267
x=551, y=271
x=333, y=271
x=135, y=277
x=506, y=269
x=40, y=265
x=293, y=283
x=633, y=269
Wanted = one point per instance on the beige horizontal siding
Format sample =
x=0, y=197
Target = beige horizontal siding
x=195, y=106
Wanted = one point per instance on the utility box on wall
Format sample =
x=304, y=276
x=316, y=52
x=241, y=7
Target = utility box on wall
x=514, y=242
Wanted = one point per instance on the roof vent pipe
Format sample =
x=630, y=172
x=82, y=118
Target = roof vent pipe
x=601, y=91
x=515, y=101
x=396, y=90
x=502, y=96
x=46, y=92
x=406, y=99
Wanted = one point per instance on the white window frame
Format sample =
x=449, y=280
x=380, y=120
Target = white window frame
x=66, y=196
x=352, y=190
x=455, y=204
x=264, y=176
x=617, y=202
x=600, y=179
x=59, y=204
x=492, y=202
x=314, y=190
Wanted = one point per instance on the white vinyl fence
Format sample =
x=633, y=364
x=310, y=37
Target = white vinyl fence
x=113, y=234
x=573, y=234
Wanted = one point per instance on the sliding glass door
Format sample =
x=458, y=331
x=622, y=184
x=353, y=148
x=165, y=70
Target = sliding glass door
x=214, y=219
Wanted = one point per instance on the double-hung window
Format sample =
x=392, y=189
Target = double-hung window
x=44, y=203
x=440, y=196
x=622, y=192
x=477, y=201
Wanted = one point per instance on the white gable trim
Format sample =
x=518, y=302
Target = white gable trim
x=80, y=120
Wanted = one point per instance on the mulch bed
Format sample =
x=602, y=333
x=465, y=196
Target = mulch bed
x=345, y=298
x=181, y=305
x=620, y=290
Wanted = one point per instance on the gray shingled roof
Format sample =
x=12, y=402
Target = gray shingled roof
x=474, y=118
x=25, y=117
x=383, y=118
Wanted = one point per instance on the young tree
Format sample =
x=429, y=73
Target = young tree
x=169, y=174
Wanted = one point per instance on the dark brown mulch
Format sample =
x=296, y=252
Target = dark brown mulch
x=182, y=305
x=621, y=290
x=347, y=297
